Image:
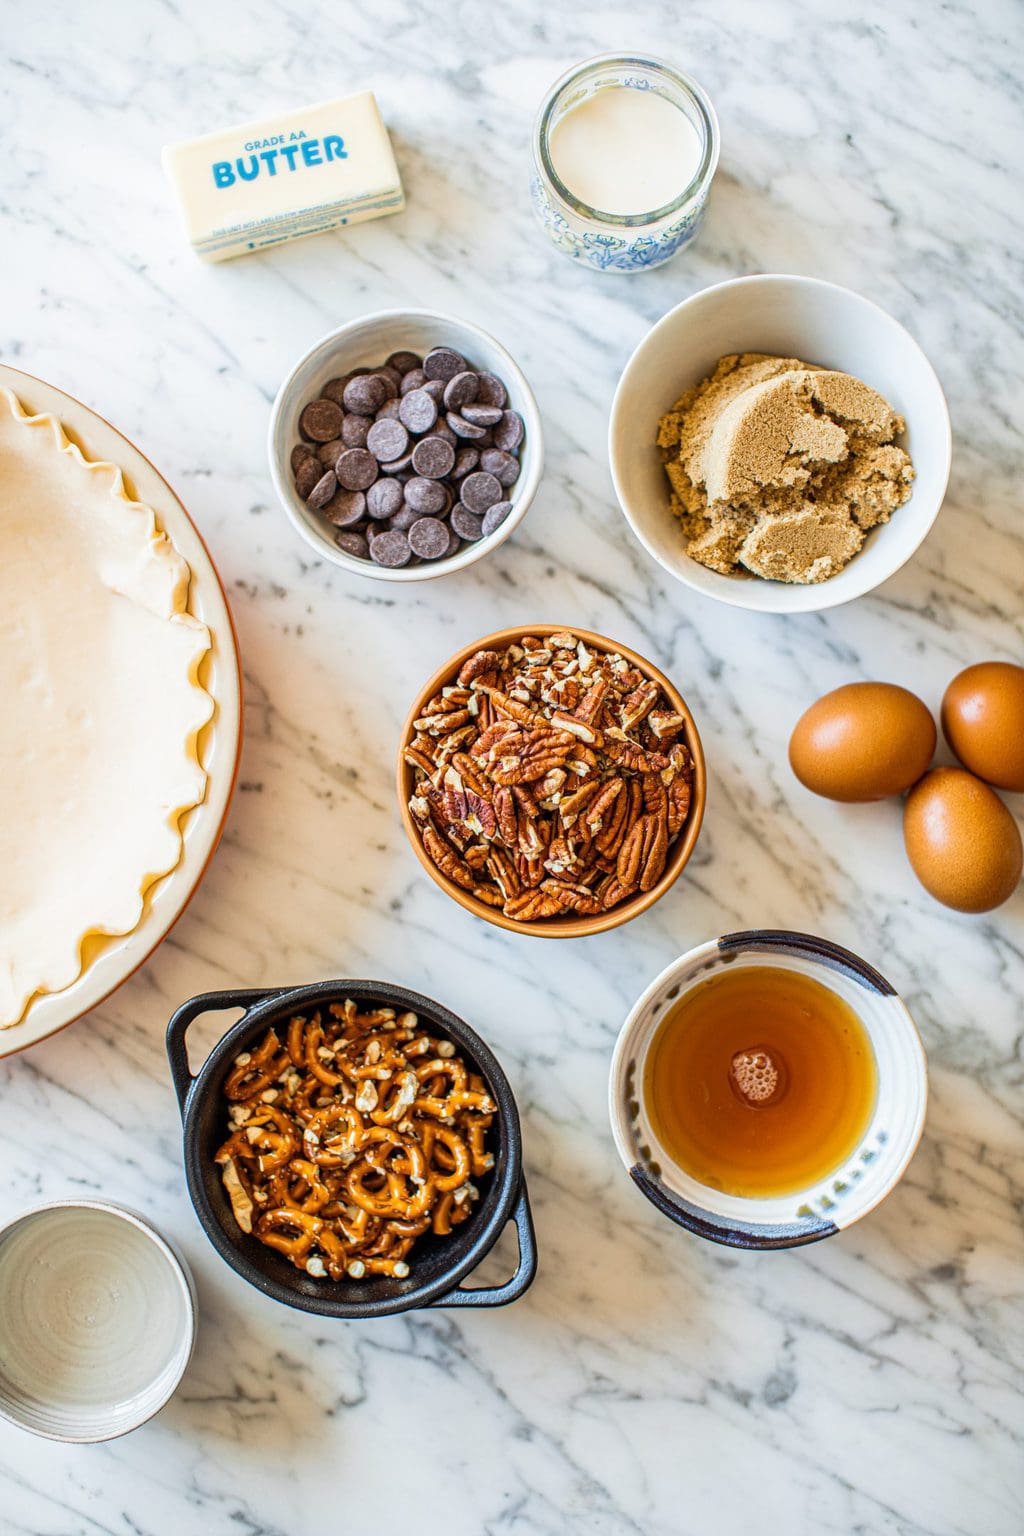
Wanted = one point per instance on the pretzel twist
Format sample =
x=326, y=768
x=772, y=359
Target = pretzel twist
x=352, y=1139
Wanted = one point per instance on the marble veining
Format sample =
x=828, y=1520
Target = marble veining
x=648, y=1384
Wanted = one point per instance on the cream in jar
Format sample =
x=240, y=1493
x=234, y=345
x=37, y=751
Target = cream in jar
x=625, y=151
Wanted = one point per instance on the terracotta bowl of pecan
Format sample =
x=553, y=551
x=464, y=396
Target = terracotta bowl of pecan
x=551, y=781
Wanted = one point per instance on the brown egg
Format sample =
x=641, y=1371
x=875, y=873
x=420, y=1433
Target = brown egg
x=962, y=842
x=863, y=741
x=983, y=721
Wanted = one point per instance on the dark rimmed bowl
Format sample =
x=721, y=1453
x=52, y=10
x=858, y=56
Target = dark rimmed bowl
x=437, y=1265
x=837, y=1199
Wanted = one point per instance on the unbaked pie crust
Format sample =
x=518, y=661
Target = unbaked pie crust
x=102, y=706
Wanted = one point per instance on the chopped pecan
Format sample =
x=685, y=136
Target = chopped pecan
x=449, y=745
x=582, y=760
x=665, y=724
x=551, y=785
x=638, y=705
x=578, y=728
x=563, y=693
x=417, y=759
x=528, y=837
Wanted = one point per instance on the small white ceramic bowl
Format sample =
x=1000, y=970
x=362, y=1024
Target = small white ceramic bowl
x=847, y=1193
x=787, y=317
x=366, y=343
x=97, y=1321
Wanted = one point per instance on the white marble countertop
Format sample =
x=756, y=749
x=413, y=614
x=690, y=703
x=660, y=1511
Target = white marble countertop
x=649, y=1383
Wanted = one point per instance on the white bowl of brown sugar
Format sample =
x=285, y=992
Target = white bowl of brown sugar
x=780, y=444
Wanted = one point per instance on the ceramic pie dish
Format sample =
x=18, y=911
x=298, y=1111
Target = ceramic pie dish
x=438, y=1265
x=107, y=956
x=567, y=926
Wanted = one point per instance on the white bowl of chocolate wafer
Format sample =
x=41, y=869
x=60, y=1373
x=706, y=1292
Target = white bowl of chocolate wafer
x=405, y=445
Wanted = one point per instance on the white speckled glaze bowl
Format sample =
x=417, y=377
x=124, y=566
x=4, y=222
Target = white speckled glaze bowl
x=97, y=1321
x=788, y=317
x=849, y=1191
x=365, y=343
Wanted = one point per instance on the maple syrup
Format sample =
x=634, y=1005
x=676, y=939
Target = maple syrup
x=760, y=1081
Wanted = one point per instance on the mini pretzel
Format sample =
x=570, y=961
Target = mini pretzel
x=351, y=1140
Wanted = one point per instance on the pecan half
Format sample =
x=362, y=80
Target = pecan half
x=446, y=858
x=513, y=709
x=603, y=801
x=531, y=905
x=506, y=814
x=654, y=850
x=441, y=721
x=678, y=805
x=572, y=898
x=478, y=664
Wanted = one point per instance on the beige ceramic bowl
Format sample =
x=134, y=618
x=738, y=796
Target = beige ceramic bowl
x=558, y=927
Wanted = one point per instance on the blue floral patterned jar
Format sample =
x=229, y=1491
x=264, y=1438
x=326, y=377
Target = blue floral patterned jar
x=612, y=241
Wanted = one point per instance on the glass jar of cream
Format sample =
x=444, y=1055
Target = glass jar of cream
x=624, y=150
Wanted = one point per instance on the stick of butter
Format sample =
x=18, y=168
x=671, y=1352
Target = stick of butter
x=296, y=174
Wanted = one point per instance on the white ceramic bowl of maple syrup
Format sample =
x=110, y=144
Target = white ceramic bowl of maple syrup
x=768, y=1090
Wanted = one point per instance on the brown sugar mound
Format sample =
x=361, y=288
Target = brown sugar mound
x=780, y=467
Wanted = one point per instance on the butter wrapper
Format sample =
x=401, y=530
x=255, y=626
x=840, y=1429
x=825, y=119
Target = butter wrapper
x=298, y=173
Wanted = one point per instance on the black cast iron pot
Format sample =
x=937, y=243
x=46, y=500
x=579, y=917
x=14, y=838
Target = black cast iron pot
x=437, y=1265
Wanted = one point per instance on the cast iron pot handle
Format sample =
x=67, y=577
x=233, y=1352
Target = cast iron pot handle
x=206, y=1002
x=499, y=1295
